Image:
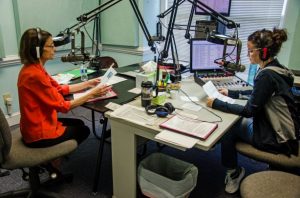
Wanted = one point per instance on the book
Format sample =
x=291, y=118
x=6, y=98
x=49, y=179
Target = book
x=190, y=127
x=109, y=94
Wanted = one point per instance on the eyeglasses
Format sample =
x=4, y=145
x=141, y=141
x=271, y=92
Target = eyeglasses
x=252, y=50
x=50, y=46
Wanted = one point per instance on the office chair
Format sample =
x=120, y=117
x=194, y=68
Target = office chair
x=271, y=184
x=15, y=155
x=278, y=161
x=102, y=62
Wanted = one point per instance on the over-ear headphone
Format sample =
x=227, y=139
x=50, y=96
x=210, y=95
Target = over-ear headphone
x=159, y=110
x=264, y=53
x=38, y=48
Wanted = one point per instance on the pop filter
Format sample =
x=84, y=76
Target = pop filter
x=61, y=39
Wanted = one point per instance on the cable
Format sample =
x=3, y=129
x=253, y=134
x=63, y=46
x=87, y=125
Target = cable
x=220, y=118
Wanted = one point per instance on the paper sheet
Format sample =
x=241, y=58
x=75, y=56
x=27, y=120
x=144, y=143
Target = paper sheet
x=63, y=78
x=212, y=92
x=135, y=115
x=176, y=139
x=111, y=72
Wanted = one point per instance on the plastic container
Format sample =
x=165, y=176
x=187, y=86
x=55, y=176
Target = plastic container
x=163, y=176
x=83, y=73
x=147, y=93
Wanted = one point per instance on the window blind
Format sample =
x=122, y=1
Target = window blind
x=252, y=15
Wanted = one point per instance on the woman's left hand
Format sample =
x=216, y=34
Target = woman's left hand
x=210, y=101
x=93, y=82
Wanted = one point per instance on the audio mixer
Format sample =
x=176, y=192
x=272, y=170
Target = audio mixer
x=221, y=79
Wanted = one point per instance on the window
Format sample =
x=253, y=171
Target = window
x=251, y=15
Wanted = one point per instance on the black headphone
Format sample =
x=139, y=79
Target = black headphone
x=38, y=48
x=264, y=52
x=159, y=110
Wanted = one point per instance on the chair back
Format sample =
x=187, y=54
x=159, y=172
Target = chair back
x=103, y=62
x=5, y=137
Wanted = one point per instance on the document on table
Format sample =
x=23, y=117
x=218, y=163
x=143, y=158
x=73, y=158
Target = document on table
x=212, y=92
x=190, y=127
x=176, y=139
x=109, y=94
x=63, y=79
x=135, y=115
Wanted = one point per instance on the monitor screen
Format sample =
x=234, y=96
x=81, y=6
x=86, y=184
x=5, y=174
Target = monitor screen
x=220, y=6
x=203, y=55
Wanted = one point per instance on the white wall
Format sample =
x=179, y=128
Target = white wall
x=289, y=54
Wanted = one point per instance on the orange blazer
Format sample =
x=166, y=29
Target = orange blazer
x=40, y=98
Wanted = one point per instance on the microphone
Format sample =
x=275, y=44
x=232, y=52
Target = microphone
x=75, y=58
x=231, y=66
x=159, y=36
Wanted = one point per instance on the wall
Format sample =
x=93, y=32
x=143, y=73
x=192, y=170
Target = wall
x=127, y=54
x=289, y=54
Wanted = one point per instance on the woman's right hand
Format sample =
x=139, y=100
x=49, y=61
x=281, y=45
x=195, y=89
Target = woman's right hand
x=223, y=91
x=100, y=90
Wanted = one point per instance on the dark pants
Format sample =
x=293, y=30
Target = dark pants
x=241, y=131
x=75, y=129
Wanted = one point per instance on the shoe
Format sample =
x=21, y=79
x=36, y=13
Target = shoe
x=232, y=180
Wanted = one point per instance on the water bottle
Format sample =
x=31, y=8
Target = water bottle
x=83, y=72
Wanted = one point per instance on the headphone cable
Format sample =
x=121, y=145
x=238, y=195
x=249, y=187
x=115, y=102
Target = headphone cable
x=220, y=118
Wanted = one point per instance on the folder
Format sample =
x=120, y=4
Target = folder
x=189, y=126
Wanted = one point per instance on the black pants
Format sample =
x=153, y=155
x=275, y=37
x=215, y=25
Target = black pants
x=75, y=129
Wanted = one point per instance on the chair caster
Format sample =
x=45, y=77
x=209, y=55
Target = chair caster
x=25, y=175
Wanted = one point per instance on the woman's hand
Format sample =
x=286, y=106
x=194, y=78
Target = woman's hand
x=223, y=91
x=99, y=90
x=93, y=82
x=210, y=102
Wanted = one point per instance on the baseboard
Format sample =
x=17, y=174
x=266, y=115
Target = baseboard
x=13, y=119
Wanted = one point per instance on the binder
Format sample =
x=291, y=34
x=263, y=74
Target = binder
x=189, y=126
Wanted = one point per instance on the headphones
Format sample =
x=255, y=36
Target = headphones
x=38, y=48
x=159, y=110
x=264, y=52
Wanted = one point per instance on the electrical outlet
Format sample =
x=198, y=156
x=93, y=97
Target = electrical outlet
x=5, y=96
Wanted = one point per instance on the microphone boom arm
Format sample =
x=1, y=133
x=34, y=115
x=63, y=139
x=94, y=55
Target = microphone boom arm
x=91, y=15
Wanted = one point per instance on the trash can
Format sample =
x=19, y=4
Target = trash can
x=163, y=176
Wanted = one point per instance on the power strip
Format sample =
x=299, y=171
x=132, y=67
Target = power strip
x=13, y=119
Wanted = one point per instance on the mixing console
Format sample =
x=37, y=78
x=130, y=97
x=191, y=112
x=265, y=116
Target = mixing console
x=221, y=79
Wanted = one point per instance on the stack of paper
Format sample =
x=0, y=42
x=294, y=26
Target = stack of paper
x=176, y=139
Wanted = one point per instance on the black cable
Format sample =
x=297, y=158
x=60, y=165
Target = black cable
x=221, y=120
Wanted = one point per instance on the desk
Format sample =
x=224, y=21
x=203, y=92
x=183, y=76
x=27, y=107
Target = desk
x=124, y=140
x=123, y=96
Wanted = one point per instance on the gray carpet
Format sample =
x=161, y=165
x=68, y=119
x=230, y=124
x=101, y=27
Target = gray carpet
x=83, y=161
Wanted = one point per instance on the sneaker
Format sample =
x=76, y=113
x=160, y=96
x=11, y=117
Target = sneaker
x=232, y=180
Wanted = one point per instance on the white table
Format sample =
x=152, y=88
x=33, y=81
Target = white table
x=124, y=139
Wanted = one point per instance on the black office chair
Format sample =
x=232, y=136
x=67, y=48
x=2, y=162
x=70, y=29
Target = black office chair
x=15, y=155
x=103, y=62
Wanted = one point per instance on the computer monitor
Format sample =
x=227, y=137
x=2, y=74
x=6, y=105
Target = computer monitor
x=220, y=6
x=203, y=55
